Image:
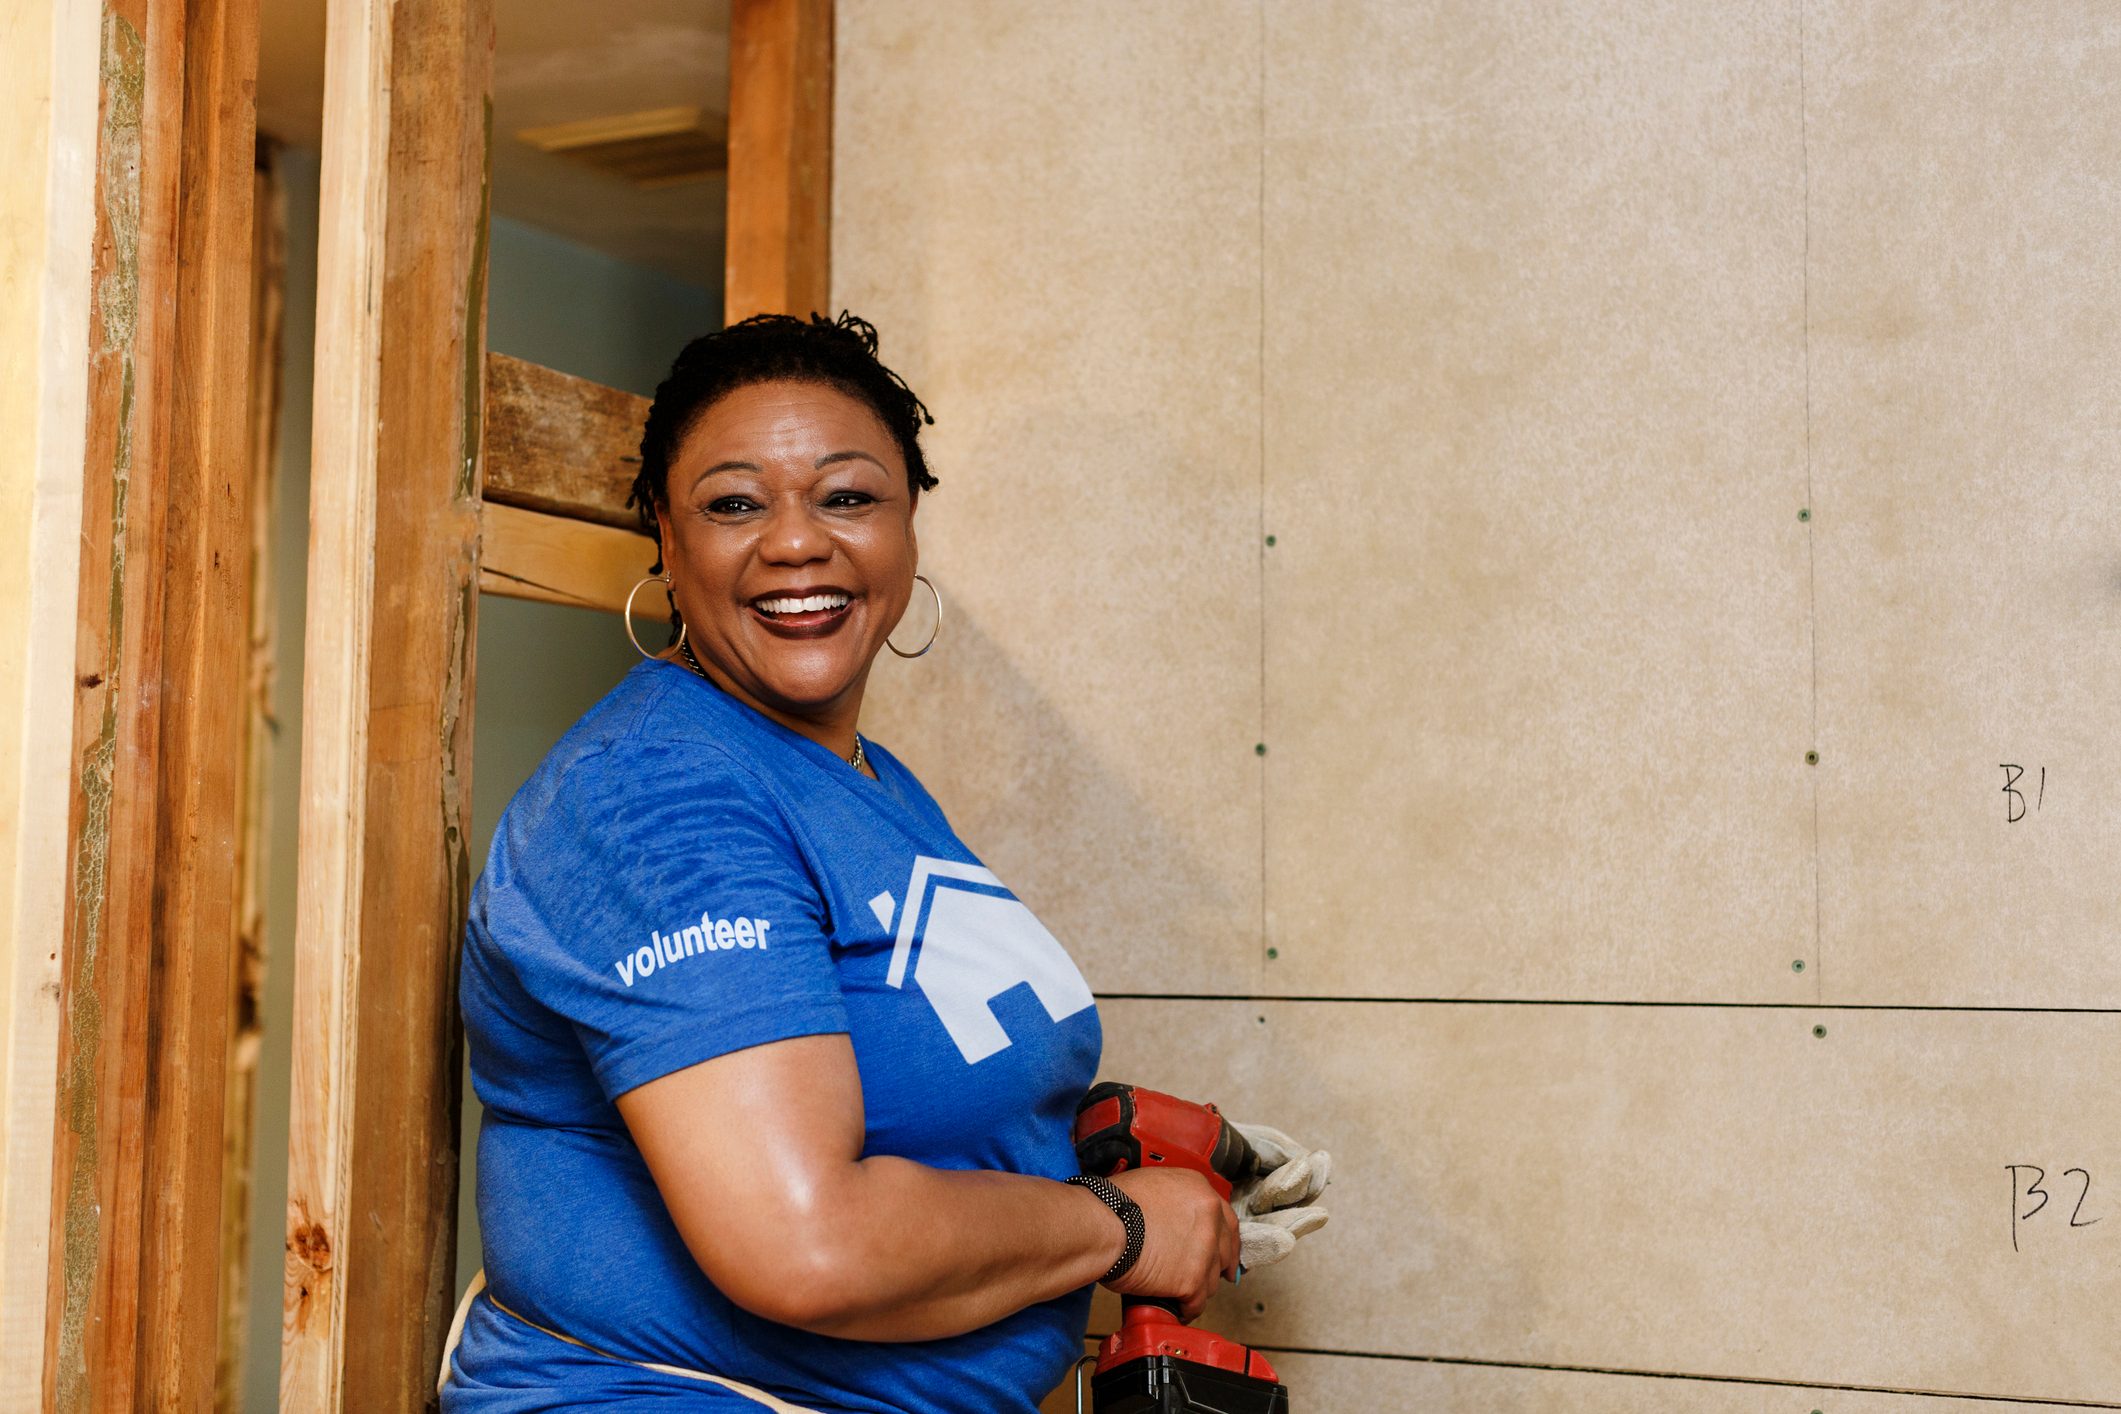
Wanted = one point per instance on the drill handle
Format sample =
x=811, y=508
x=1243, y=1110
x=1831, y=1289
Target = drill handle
x=1161, y=1303
x=1120, y=1127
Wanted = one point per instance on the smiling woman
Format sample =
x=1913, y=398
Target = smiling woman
x=686, y=982
x=784, y=508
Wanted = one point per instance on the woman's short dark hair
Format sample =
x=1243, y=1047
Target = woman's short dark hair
x=838, y=353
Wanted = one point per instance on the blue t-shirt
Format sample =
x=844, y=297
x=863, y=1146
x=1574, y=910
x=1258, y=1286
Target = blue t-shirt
x=682, y=878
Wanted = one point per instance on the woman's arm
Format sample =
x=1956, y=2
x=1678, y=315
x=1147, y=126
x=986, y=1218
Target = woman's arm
x=758, y=1156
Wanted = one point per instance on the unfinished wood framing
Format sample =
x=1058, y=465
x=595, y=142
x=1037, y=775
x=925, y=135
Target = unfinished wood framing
x=780, y=158
x=386, y=753
x=150, y=930
x=98, y=1151
x=247, y=985
x=49, y=97
x=560, y=444
x=560, y=458
x=524, y=555
x=150, y=927
x=205, y=656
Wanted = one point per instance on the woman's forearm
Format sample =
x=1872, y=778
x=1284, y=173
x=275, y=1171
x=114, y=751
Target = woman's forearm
x=893, y=1250
x=794, y=1225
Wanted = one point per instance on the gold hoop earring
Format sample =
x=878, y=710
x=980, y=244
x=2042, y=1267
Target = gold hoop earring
x=932, y=632
x=627, y=615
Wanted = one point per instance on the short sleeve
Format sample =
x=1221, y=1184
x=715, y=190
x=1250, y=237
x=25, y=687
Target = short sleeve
x=655, y=898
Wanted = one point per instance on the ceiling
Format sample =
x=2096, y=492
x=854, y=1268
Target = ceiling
x=558, y=61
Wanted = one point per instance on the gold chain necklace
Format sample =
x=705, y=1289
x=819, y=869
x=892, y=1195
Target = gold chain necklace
x=859, y=760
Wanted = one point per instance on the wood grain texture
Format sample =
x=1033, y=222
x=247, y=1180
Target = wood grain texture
x=524, y=555
x=388, y=680
x=100, y=1148
x=561, y=445
x=779, y=242
x=206, y=656
x=49, y=96
x=1965, y=329
x=253, y=836
x=354, y=186
x=1707, y=1191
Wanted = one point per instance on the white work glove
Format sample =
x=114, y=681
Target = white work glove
x=1280, y=1205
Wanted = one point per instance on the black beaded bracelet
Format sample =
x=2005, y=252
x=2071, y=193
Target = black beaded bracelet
x=1130, y=1218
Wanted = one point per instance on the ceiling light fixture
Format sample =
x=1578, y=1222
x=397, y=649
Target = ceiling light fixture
x=660, y=147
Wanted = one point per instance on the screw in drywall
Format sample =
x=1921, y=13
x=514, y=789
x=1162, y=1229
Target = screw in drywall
x=1272, y=953
x=1819, y=1031
x=1259, y=748
x=1263, y=1021
x=1797, y=966
x=1270, y=540
x=1811, y=758
x=1806, y=515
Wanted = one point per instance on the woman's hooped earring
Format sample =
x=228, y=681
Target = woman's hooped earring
x=932, y=632
x=627, y=614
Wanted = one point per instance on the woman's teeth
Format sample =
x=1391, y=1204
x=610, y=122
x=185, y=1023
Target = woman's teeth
x=808, y=604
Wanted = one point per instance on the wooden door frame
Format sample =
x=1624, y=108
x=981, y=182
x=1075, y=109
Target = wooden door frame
x=396, y=564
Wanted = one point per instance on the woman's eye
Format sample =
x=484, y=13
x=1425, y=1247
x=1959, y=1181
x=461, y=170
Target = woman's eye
x=844, y=499
x=729, y=506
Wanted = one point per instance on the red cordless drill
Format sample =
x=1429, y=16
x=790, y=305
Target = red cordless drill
x=1155, y=1363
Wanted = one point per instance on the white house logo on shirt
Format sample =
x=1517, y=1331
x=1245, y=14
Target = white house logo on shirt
x=710, y=934
x=974, y=946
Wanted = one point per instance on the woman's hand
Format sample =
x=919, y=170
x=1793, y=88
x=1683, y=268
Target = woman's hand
x=1189, y=1244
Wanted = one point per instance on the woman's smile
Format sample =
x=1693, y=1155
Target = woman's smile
x=804, y=613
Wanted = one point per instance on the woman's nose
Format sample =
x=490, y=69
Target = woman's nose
x=793, y=536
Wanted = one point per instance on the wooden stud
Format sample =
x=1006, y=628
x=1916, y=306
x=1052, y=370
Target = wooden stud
x=560, y=444
x=49, y=91
x=205, y=654
x=780, y=158
x=386, y=753
x=247, y=985
x=99, y=1149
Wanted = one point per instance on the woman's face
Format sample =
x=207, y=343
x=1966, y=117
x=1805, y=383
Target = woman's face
x=789, y=540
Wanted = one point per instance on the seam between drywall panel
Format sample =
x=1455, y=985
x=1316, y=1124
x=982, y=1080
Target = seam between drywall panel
x=1811, y=521
x=1259, y=539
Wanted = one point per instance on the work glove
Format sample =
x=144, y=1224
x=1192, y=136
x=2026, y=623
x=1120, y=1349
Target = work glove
x=1280, y=1205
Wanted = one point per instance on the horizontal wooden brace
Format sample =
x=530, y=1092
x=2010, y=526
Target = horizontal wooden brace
x=560, y=444
x=560, y=560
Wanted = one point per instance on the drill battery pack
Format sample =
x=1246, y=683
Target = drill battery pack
x=1163, y=1384
x=1155, y=1364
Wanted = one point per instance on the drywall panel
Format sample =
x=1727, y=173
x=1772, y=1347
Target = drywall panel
x=1537, y=657
x=1329, y=1384
x=1965, y=332
x=1707, y=1190
x=1060, y=247
x=1353, y=1384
